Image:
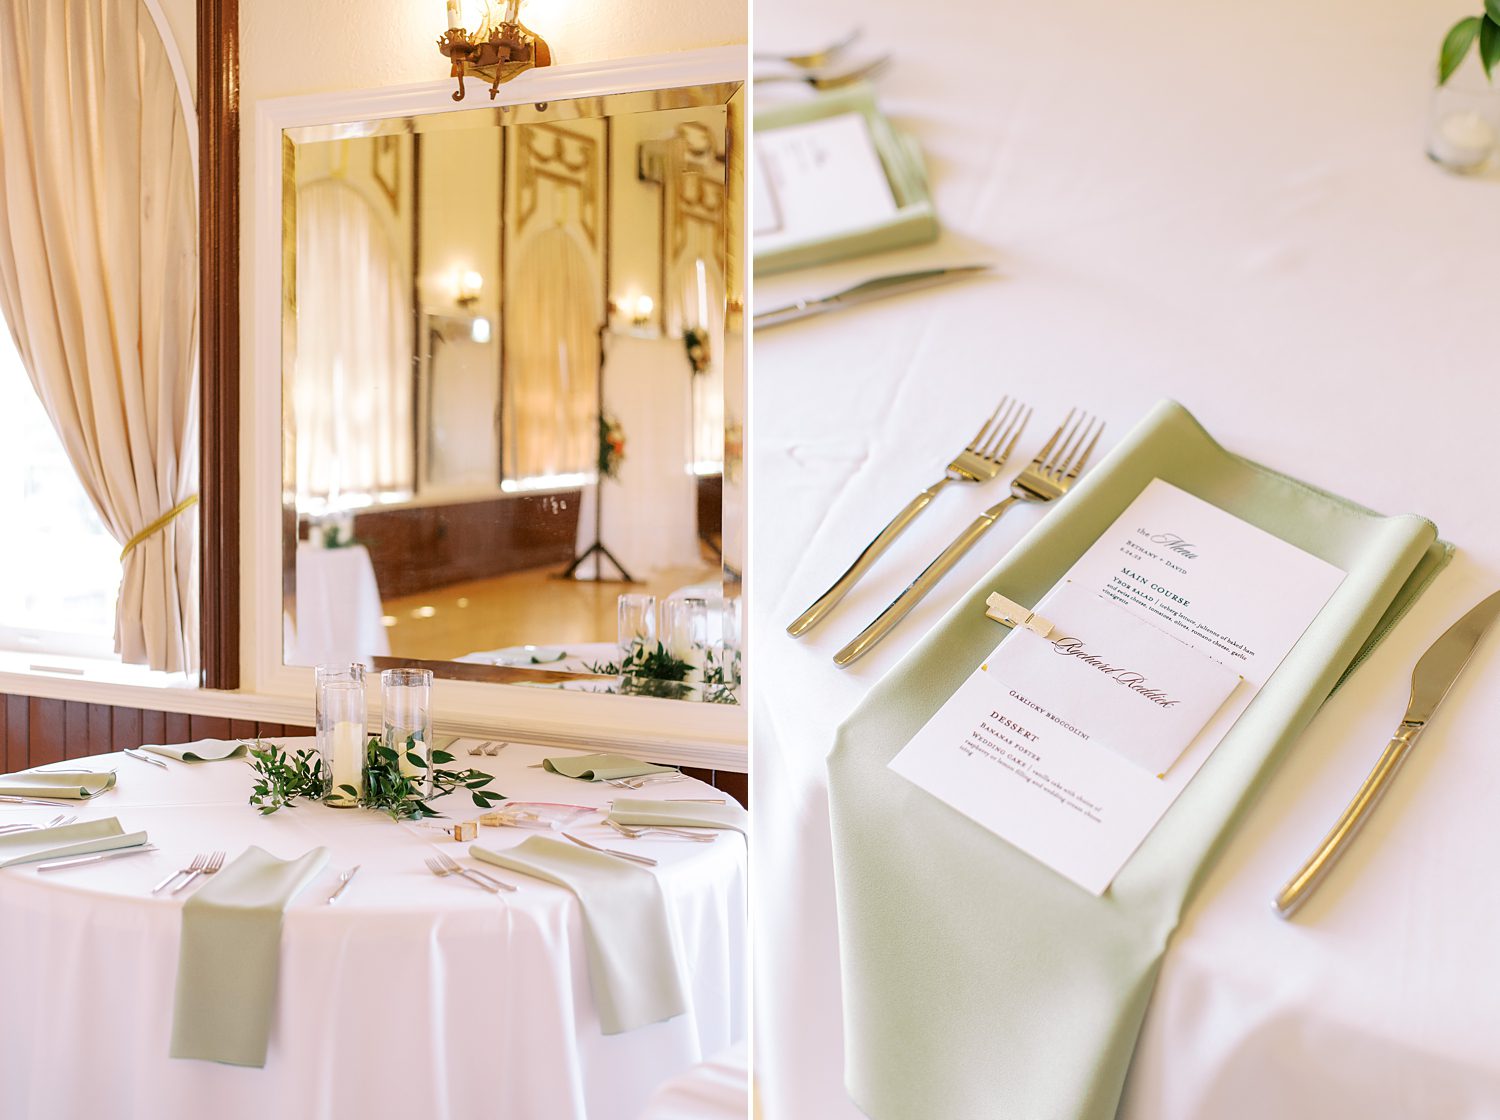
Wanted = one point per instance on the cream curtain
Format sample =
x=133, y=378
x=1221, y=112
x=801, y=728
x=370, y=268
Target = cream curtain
x=552, y=359
x=695, y=300
x=353, y=390
x=99, y=285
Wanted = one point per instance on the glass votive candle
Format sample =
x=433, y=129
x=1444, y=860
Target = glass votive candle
x=339, y=724
x=637, y=623
x=406, y=714
x=685, y=633
x=1462, y=127
x=729, y=641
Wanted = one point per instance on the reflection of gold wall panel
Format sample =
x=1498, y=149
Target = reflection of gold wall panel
x=564, y=159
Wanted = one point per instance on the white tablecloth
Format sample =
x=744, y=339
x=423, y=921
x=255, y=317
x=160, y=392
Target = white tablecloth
x=414, y=996
x=718, y=1089
x=338, y=608
x=1228, y=205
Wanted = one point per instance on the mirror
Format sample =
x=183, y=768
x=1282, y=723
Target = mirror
x=513, y=393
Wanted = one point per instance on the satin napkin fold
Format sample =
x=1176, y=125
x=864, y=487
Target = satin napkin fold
x=603, y=767
x=628, y=937
x=230, y=956
x=66, y=840
x=978, y=983
x=205, y=750
x=77, y=785
x=681, y=814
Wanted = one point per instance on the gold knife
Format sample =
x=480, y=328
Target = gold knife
x=878, y=288
x=1434, y=675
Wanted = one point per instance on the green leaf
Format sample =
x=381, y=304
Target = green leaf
x=1459, y=39
x=350, y=790
x=1489, y=43
x=441, y=757
x=414, y=759
x=1492, y=9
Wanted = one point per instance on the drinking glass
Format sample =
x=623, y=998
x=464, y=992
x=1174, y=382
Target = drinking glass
x=637, y=623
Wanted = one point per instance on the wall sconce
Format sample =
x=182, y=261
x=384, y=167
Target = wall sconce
x=466, y=288
x=640, y=310
x=498, y=50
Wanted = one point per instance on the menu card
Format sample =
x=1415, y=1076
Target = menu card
x=818, y=179
x=1072, y=746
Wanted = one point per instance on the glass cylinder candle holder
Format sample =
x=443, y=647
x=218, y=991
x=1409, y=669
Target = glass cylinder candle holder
x=685, y=633
x=339, y=724
x=729, y=641
x=406, y=709
x=637, y=623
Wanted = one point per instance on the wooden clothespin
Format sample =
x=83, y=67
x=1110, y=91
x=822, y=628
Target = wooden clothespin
x=1007, y=612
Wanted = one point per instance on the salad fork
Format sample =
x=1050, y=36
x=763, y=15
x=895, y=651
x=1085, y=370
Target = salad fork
x=191, y=869
x=478, y=748
x=982, y=460
x=56, y=822
x=210, y=867
x=635, y=832
x=442, y=871
x=452, y=866
x=813, y=60
x=641, y=781
x=1045, y=479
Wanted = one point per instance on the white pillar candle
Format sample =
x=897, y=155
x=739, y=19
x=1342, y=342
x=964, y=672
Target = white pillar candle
x=348, y=765
x=1462, y=140
x=408, y=768
x=455, y=14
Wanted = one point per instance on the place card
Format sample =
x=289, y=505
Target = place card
x=1052, y=742
x=818, y=179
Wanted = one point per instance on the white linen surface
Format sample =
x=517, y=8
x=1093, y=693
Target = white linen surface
x=1229, y=206
x=338, y=607
x=413, y=996
x=718, y=1089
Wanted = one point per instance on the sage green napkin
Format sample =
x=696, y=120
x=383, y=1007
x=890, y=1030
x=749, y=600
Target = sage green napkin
x=67, y=840
x=681, y=814
x=977, y=981
x=78, y=785
x=230, y=955
x=626, y=932
x=602, y=767
x=206, y=750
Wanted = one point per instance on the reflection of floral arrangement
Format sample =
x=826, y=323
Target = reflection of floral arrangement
x=611, y=446
x=695, y=341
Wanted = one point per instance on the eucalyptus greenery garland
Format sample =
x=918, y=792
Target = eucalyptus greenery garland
x=282, y=778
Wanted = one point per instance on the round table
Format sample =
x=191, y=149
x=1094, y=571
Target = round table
x=413, y=996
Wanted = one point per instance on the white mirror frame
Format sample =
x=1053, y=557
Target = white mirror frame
x=707, y=735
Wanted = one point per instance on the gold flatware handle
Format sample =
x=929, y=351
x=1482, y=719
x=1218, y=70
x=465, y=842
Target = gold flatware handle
x=917, y=590
x=1301, y=885
x=864, y=562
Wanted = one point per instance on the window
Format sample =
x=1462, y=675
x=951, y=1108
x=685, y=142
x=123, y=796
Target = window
x=59, y=567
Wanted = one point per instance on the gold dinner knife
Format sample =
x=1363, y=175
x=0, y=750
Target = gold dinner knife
x=1434, y=675
x=878, y=288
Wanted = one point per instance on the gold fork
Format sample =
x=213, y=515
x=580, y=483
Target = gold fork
x=812, y=60
x=821, y=80
x=1045, y=479
x=980, y=461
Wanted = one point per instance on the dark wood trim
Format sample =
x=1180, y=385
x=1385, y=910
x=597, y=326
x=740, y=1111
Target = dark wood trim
x=219, y=340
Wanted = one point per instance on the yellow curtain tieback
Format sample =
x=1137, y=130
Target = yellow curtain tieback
x=159, y=524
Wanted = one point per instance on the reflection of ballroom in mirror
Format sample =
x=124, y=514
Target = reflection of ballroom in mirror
x=478, y=304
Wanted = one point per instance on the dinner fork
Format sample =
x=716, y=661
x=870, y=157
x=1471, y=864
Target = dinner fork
x=821, y=80
x=982, y=460
x=478, y=748
x=1045, y=479
x=210, y=867
x=193, y=868
x=813, y=60
x=451, y=865
x=635, y=832
x=641, y=781
x=442, y=872
x=494, y=748
x=56, y=822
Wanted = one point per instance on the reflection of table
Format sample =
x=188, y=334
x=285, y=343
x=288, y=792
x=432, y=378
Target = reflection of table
x=1276, y=253
x=338, y=607
x=412, y=997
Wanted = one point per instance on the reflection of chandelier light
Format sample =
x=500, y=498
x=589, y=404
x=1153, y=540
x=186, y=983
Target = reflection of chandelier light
x=499, y=49
x=467, y=285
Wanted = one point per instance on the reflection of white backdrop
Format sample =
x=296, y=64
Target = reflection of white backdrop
x=651, y=510
x=352, y=390
x=338, y=617
x=695, y=299
x=552, y=358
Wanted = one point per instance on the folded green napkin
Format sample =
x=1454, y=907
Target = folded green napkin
x=74, y=784
x=208, y=750
x=980, y=983
x=230, y=955
x=681, y=814
x=625, y=927
x=602, y=767
x=67, y=840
